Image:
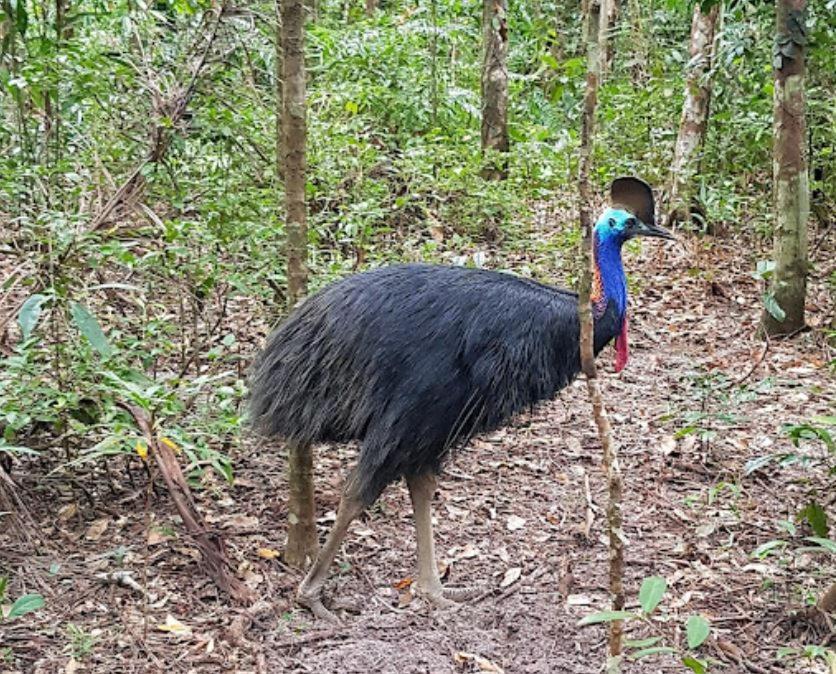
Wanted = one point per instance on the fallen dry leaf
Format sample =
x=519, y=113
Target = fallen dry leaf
x=67, y=512
x=267, y=553
x=512, y=575
x=403, y=583
x=96, y=529
x=514, y=523
x=174, y=626
x=483, y=664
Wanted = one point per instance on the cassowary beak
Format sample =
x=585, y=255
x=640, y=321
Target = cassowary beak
x=644, y=229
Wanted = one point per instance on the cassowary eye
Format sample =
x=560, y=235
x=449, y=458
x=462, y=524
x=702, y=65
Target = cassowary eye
x=631, y=223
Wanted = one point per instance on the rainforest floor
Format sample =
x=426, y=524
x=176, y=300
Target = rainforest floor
x=710, y=474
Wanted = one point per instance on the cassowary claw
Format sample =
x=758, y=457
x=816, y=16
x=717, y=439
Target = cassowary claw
x=314, y=604
x=460, y=594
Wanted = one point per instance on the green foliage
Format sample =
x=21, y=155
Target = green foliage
x=81, y=643
x=24, y=604
x=651, y=593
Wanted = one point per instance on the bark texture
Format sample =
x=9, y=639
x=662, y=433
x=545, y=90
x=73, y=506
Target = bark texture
x=301, y=537
x=789, y=170
x=606, y=36
x=495, y=87
x=611, y=466
x=301, y=548
x=694, y=120
x=638, y=64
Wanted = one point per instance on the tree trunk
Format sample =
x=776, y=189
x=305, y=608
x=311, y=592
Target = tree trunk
x=371, y=6
x=789, y=171
x=606, y=37
x=301, y=547
x=278, y=69
x=638, y=67
x=301, y=537
x=495, y=88
x=611, y=466
x=694, y=118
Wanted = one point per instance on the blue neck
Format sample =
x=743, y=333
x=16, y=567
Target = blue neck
x=608, y=260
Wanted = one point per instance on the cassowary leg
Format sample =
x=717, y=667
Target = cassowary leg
x=310, y=591
x=421, y=490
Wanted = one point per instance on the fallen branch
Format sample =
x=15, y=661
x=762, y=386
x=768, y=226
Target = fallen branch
x=210, y=544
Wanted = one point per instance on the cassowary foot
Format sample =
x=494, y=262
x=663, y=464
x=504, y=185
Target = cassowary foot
x=445, y=597
x=313, y=602
x=460, y=594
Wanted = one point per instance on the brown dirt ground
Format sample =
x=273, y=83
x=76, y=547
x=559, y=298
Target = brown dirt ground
x=692, y=514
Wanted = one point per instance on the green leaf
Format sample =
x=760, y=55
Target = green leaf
x=651, y=592
x=16, y=449
x=656, y=650
x=774, y=309
x=826, y=543
x=698, y=666
x=90, y=328
x=817, y=518
x=605, y=617
x=763, y=550
x=3, y=583
x=697, y=630
x=26, y=604
x=29, y=314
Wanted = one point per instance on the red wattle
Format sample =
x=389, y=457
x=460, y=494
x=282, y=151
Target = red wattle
x=622, y=351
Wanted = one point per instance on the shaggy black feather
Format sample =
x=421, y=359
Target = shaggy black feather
x=412, y=360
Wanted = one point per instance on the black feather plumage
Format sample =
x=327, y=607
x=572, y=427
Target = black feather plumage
x=412, y=360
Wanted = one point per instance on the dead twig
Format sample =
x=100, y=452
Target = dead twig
x=210, y=544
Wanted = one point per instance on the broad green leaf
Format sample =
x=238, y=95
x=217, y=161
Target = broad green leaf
x=26, y=604
x=29, y=314
x=695, y=665
x=697, y=630
x=655, y=650
x=763, y=550
x=605, y=617
x=772, y=306
x=641, y=643
x=651, y=592
x=16, y=449
x=826, y=543
x=817, y=518
x=90, y=328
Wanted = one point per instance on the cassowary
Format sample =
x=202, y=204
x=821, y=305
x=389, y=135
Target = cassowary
x=412, y=360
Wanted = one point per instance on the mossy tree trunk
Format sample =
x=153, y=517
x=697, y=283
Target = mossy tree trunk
x=694, y=121
x=791, y=191
x=301, y=540
x=495, y=88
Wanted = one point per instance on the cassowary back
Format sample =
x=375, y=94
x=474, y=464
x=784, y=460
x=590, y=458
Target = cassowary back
x=413, y=360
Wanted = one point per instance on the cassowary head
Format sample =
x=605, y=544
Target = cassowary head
x=631, y=214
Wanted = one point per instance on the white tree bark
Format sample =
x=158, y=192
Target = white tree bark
x=694, y=121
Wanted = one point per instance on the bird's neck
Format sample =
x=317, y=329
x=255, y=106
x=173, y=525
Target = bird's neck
x=609, y=283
